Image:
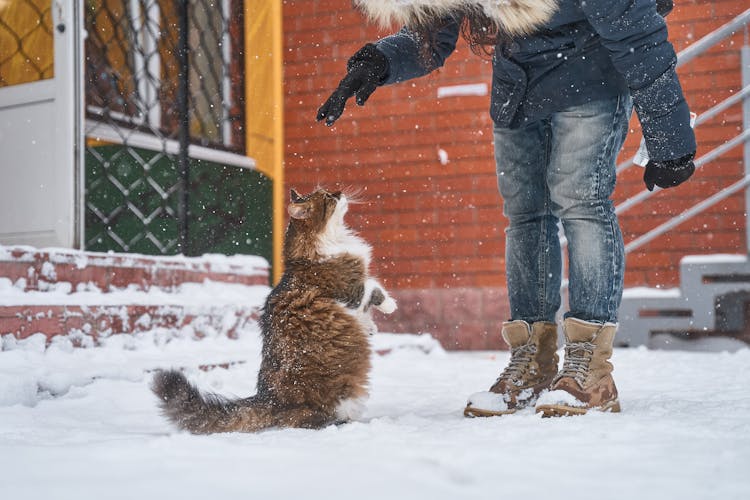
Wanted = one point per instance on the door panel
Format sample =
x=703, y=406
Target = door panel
x=40, y=123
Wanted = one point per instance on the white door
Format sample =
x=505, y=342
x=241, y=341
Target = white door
x=40, y=123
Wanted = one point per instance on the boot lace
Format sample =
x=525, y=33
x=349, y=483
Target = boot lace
x=520, y=358
x=577, y=361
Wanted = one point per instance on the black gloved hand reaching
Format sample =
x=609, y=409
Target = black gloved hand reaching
x=366, y=70
x=669, y=173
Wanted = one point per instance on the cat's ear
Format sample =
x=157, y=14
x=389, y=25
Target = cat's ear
x=295, y=196
x=299, y=211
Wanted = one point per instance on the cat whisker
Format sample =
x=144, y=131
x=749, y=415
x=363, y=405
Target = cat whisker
x=353, y=195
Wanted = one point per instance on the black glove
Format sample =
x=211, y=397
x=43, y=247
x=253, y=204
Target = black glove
x=366, y=69
x=664, y=7
x=669, y=173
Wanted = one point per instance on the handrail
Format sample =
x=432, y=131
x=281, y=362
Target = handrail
x=695, y=49
x=723, y=105
x=687, y=214
x=708, y=157
x=683, y=57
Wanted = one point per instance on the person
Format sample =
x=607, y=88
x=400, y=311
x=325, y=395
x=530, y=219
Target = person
x=566, y=75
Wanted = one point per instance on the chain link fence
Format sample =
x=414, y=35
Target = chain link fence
x=26, y=41
x=164, y=111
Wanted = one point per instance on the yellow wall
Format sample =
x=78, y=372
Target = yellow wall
x=264, y=101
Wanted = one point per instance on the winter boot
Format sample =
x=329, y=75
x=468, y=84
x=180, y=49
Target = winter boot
x=531, y=369
x=585, y=381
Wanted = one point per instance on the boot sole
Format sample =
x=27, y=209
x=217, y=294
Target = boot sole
x=472, y=412
x=567, y=411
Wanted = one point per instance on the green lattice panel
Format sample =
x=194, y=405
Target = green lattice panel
x=131, y=206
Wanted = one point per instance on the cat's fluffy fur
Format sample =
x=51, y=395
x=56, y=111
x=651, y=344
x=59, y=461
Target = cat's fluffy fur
x=315, y=326
x=513, y=17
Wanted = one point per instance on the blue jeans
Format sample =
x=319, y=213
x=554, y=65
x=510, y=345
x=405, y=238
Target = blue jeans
x=562, y=168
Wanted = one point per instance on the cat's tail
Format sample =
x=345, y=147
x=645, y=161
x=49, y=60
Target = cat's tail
x=184, y=405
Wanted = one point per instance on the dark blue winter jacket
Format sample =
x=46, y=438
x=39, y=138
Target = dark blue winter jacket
x=589, y=50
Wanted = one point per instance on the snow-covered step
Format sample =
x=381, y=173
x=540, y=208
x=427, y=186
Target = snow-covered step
x=64, y=269
x=89, y=296
x=705, y=280
x=86, y=325
x=646, y=310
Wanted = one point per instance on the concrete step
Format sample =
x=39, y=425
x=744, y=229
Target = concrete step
x=712, y=298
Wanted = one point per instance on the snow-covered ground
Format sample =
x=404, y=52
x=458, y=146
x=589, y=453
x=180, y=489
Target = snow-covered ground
x=82, y=424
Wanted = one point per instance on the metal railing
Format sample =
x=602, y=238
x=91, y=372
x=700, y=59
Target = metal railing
x=742, y=97
x=164, y=100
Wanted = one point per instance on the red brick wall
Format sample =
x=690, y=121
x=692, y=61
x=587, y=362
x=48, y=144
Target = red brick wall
x=437, y=228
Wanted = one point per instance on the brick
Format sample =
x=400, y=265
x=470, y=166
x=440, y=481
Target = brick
x=470, y=335
x=24, y=321
x=75, y=320
x=493, y=279
x=89, y=275
x=15, y=270
x=252, y=280
x=12, y=320
x=123, y=277
x=164, y=277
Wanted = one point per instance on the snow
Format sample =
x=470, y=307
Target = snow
x=246, y=265
x=486, y=400
x=471, y=89
x=559, y=398
x=651, y=293
x=194, y=295
x=669, y=342
x=82, y=424
x=443, y=156
x=718, y=258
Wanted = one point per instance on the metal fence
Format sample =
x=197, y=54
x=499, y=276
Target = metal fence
x=165, y=164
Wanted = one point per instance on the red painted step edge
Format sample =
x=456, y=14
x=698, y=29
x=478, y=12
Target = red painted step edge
x=106, y=272
x=36, y=270
x=96, y=322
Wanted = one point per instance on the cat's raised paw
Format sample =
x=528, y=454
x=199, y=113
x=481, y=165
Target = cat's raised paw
x=387, y=306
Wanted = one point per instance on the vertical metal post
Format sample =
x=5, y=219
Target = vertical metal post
x=78, y=117
x=67, y=34
x=183, y=160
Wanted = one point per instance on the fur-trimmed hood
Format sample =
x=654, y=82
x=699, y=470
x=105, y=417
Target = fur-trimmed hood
x=513, y=17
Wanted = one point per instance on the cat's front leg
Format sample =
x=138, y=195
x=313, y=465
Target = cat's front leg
x=376, y=296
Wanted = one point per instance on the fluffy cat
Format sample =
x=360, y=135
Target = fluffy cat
x=315, y=326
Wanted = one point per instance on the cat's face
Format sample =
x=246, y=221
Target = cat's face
x=315, y=210
x=317, y=230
